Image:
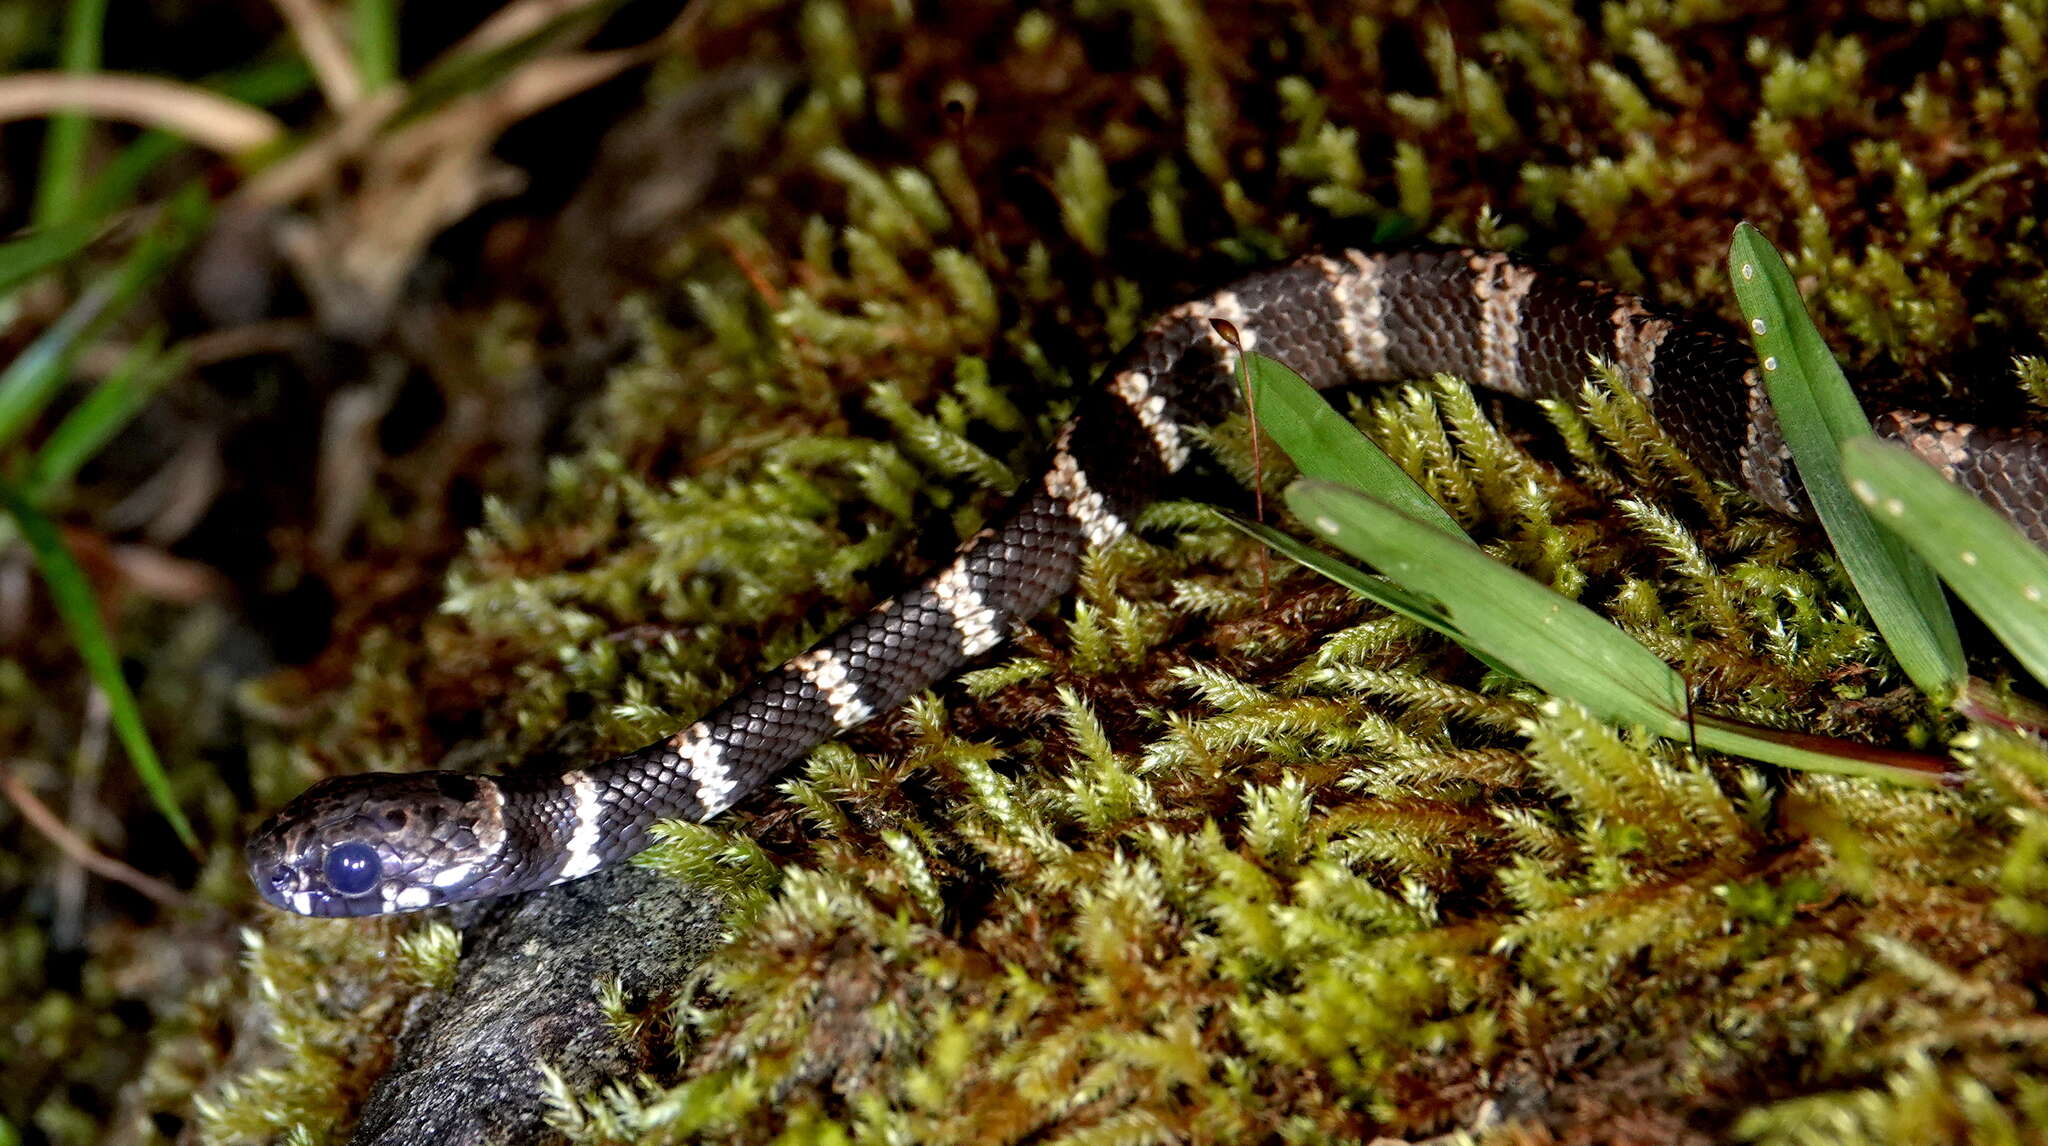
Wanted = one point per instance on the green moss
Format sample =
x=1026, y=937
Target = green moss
x=1217, y=853
x=330, y=1046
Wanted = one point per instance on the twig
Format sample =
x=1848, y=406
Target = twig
x=325, y=54
x=749, y=271
x=210, y=120
x=42, y=819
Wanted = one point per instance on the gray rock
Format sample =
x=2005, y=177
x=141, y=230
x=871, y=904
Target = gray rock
x=468, y=1068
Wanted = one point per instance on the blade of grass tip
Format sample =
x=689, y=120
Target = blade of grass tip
x=1818, y=413
x=100, y=415
x=34, y=377
x=1544, y=637
x=1997, y=572
x=1324, y=444
x=73, y=596
x=62, y=173
x=24, y=258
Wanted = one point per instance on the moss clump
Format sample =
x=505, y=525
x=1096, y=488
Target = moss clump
x=1223, y=855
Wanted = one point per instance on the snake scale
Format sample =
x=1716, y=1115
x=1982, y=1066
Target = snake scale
x=369, y=844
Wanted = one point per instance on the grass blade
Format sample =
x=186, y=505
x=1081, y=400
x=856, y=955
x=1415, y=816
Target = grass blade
x=24, y=258
x=75, y=604
x=1818, y=415
x=62, y=172
x=34, y=377
x=1997, y=572
x=1542, y=636
x=1378, y=590
x=1560, y=645
x=375, y=27
x=1325, y=445
x=96, y=419
x=1810, y=753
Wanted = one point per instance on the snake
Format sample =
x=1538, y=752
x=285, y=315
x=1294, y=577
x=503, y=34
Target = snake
x=376, y=843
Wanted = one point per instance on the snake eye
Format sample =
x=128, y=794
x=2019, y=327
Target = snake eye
x=352, y=868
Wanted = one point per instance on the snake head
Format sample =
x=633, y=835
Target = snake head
x=377, y=843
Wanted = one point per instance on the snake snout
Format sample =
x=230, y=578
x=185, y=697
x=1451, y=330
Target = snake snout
x=267, y=870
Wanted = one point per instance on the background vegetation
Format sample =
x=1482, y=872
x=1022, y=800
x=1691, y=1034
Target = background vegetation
x=531, y=383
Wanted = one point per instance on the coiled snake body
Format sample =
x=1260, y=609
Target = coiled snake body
x=367, y=844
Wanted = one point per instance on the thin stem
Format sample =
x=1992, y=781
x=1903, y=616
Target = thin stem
x=42, y=819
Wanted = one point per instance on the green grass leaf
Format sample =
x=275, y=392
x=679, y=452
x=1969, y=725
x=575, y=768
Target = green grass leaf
x=1361, y=501
x=1999, y=574
x=24, y=258
x=1560, y=645
x=1541, y=635
x=1818, y=414
x=80, y=611
x=62, y=172
x=35, y=376
x=96, y=419
x=1378, y=590
x=41, y=369
x=1325, y=445
x=375, y=27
